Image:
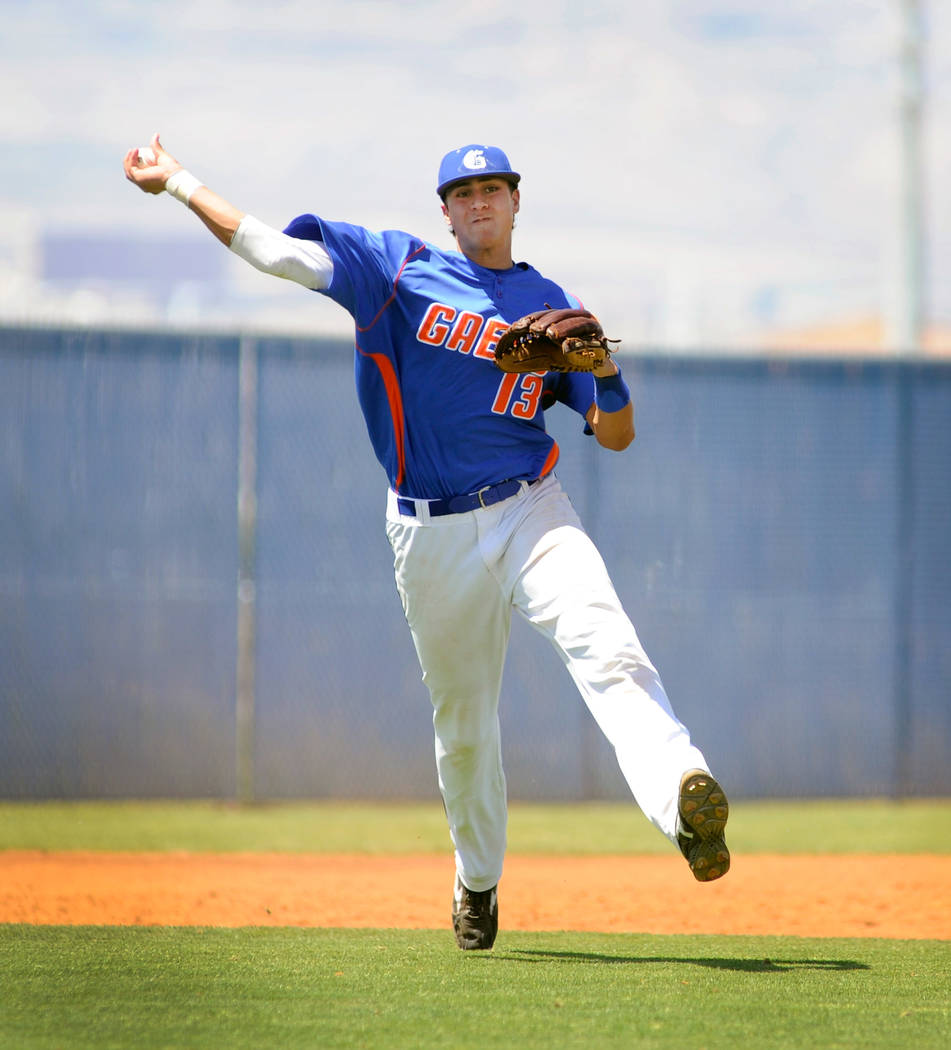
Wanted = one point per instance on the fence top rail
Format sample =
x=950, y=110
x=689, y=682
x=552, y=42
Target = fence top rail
x=20, y=339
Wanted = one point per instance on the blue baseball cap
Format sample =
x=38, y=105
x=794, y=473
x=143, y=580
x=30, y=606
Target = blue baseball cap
x=473, y=161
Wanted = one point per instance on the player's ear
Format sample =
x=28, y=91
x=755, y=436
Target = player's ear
x=516, y=197
x=445, y=215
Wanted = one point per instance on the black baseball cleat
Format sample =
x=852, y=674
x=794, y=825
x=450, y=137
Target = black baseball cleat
x=475, y=917
x=703, y=809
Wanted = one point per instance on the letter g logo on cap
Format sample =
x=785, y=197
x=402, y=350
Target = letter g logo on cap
x=474, y=160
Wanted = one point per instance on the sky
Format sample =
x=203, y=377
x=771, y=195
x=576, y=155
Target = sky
x=698, y=172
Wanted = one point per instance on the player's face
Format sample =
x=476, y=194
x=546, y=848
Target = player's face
x=481, y=212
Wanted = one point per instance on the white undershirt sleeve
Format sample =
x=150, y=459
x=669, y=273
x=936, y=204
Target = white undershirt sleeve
x=269, y=250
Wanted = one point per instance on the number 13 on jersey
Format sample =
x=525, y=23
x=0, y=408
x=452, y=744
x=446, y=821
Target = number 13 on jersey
x=519, y=393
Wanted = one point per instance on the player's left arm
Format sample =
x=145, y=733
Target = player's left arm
x=611, y=415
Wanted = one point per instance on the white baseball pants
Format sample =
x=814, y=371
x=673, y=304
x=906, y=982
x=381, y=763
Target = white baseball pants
x=459, y=576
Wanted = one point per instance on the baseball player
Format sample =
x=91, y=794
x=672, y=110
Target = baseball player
x=475, y=515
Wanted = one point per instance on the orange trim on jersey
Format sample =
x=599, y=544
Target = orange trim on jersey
x=391, y=383
x=551, y=460
x=394, y=397
x=396, y=281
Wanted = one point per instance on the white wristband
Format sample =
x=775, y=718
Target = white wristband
x=181, y=185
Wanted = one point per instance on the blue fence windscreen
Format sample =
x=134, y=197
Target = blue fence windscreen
x=780, y=533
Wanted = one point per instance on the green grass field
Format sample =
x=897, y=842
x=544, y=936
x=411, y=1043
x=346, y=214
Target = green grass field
x=854, y=826
x=207, y=989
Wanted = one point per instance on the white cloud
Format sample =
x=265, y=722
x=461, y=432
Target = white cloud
x=725, y=148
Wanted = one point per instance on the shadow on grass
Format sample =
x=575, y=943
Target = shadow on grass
x=742, y=965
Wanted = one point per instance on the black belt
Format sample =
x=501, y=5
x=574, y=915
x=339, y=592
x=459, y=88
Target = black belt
x=460, y=504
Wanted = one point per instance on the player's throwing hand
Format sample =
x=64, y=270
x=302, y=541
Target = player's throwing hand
x=150, y=173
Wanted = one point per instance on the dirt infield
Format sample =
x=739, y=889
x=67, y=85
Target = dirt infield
x=840, y=896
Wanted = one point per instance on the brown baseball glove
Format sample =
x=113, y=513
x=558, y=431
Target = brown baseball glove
x=553, y=341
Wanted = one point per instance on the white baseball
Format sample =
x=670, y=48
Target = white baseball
x=146, y=156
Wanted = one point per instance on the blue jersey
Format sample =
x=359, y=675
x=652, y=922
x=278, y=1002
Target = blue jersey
x=443, y=419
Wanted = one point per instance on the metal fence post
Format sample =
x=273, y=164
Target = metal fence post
x=904, y=603
x=247, y=525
